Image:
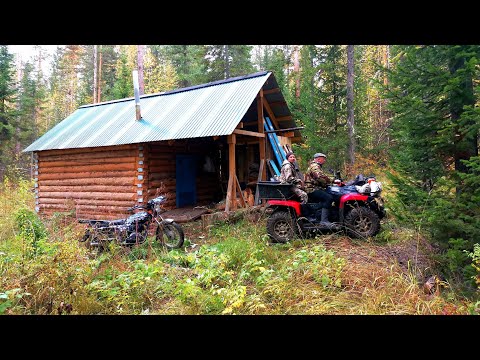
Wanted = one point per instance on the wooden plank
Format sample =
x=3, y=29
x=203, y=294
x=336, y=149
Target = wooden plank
x=271, y=114
x=284, y=118
x=242, y=199
x=248, y=133
x=228, y=199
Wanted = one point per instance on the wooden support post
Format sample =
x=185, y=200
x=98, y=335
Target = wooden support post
x=231, y=201
x=261, y=129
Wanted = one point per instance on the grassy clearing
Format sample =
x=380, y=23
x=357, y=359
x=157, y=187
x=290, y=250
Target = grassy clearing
x=227, y=269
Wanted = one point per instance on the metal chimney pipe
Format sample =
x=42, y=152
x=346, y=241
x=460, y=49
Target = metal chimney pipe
x=136, y=91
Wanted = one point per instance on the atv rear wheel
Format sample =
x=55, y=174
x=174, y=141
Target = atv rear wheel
x=280, y=227
x=362, y=222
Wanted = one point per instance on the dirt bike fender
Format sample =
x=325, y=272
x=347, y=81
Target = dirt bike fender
x=286, y=203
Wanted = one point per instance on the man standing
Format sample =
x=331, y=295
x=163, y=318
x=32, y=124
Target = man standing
x=316, y=181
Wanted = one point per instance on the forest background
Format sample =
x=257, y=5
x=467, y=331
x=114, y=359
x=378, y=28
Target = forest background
x=411, y=112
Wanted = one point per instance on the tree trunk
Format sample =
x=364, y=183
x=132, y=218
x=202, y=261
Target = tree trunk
x=95, y=69
x=350, y=112
x=99, y=93
x=227, y=62
x=296, y=69
x=140, y=56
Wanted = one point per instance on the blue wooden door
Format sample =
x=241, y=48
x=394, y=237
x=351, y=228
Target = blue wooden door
x=186, y=180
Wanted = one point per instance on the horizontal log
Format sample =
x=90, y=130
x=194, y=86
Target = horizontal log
x=66, y=152
x=91, y=174
x=124, y=204
x=160, y=156
x=100, y=216
x=160, y=168
x=165, y=182
x=89, y=188
x=85, y=168
x=87, y=161
x=85, y=208
x=81, y=195
x=89, y=181
x=91, y=155
x=161, y=176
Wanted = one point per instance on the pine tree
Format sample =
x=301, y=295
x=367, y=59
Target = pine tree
x=189, y=63
x=8, y=93
x=158, y=76
x=436, y=128
x=123, y=86
x=227, y=61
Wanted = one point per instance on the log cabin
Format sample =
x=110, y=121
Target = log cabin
x=197, y=145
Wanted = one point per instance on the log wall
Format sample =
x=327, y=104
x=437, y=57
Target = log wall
x=93, y=183
x=162, y=170
x=102, y=182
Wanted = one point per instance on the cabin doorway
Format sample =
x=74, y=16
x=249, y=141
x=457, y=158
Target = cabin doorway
x=186, y=176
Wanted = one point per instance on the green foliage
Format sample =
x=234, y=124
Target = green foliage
x=475, y=256
x=435, y=129
x=31, y=230
x=323, y=265
x=188, y=61
x=226, y=61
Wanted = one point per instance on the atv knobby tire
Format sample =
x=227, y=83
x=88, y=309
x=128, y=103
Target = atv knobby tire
x=362, y=222
x=281, y=227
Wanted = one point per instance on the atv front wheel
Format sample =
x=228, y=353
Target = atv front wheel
x=362, y=222
x=280, y=227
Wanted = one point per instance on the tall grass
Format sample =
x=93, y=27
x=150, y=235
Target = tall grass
x=234, y=270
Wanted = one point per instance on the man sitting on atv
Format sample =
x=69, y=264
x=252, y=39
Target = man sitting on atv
x=291, y=175
x=316, y=181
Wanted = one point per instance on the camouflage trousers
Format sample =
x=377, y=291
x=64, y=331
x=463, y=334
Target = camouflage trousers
x=301, y=194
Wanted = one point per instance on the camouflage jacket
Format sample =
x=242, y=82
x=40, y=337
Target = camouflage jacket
x=289, y=175
x=315, y=177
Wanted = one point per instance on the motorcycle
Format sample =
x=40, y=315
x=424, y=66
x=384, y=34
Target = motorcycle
x=357, y=209
x=134, y=229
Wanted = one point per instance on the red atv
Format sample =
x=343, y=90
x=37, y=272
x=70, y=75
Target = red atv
x=357, y=209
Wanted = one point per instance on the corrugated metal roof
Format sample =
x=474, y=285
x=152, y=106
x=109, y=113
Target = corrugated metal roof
x=212, y=109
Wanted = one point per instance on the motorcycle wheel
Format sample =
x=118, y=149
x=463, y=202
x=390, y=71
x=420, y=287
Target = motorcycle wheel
x=280, y=227
x=170, y=235
x=362, y=222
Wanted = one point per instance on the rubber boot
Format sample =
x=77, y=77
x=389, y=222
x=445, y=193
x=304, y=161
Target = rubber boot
x=307, y=212
x=324, y=221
